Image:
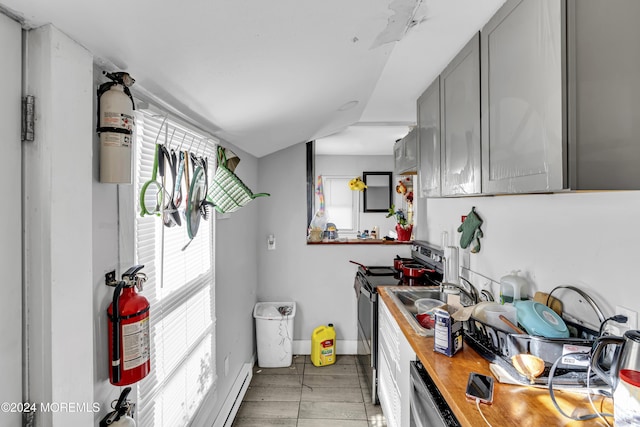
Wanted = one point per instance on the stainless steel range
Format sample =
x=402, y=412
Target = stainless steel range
x=366, y=281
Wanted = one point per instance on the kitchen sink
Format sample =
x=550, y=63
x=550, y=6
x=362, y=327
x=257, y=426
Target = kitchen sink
x=404, y=299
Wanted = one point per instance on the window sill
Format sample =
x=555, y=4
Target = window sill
x=360, y=242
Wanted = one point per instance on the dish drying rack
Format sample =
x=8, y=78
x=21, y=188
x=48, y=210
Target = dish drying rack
x=498, y=345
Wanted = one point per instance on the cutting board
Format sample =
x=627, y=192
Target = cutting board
x=554, y=303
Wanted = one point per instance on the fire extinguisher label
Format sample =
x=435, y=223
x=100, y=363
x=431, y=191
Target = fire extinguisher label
x=117, y=120
x=135, y=339
x=112, y=139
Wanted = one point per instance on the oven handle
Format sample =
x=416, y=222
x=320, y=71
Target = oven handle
x=370, y=295
x=361, y=288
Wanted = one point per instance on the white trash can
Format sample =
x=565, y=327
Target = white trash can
x=274, y=333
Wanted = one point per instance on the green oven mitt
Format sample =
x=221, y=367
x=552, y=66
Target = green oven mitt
x=471, y=232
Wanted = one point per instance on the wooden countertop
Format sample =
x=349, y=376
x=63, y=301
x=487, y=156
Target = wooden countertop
x=512, y=404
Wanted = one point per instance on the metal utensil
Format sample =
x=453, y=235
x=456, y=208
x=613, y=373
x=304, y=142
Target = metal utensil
x=177, y=199
x=197, y=194
x=171, y=215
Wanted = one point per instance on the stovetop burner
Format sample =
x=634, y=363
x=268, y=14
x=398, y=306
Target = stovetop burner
x=431, y=257
x=396, y=279
x=378, y=271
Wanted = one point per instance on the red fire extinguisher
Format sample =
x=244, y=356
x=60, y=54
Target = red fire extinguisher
x=128, y=317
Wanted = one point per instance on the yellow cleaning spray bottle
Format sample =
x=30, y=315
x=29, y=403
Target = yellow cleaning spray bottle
x=323, y=345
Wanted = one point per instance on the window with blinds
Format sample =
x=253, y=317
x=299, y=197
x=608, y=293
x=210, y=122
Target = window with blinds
x=180, y=287
x=341, y=204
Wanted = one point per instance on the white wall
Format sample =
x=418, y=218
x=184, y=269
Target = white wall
x=237, y=242
x=11, y=225
x=588, y=240
x=319, y=278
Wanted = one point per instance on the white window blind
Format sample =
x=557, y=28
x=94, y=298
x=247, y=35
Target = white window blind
x=341, y=204
x=180, y=288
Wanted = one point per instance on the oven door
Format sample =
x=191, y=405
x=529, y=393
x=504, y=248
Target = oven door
x=427, y=406
x=368, y=333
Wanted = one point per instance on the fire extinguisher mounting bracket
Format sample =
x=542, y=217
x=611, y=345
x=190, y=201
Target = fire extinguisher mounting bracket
x=110, y=278
x=131, y=277
x=120, y=77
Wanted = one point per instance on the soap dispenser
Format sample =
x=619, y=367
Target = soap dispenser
x=512, y=288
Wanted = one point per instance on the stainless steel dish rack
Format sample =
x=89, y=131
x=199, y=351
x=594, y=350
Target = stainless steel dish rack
x=499, y=345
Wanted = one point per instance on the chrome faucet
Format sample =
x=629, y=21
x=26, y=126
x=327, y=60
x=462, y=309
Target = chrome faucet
x=471, y=294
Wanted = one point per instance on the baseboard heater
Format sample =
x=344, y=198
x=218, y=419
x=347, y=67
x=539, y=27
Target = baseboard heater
x=234, y=398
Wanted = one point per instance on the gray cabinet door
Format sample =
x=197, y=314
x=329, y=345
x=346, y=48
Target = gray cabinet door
x=398, y=160
x=429, y=141
x=410, y=147
x=460, y=115
x=604, y=94
x=405, y=154
x=522, y=87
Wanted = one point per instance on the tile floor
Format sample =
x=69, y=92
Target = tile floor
x=304, y=395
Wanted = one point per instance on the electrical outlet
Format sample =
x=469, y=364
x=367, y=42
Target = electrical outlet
x=632, y=318
x=226, y=366
x=271, y=242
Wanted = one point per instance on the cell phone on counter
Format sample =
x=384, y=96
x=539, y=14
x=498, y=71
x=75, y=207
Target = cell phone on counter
x=480, y=387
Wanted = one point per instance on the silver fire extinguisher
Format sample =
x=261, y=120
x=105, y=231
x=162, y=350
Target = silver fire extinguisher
x=115, y=126
x=122, y=414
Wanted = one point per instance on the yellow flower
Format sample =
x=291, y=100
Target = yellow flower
x=357, y=184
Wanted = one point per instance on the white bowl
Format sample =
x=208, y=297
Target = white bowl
x=426, y=305
x=493, y=313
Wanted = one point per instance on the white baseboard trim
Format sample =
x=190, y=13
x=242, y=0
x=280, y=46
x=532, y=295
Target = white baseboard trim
x=231, y=404
x=342, y=347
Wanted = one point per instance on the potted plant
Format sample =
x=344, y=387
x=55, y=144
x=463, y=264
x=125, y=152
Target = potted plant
x=403, y=226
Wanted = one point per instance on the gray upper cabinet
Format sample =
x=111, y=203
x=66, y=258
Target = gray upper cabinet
x=523, y=142
x=558, y=104
x=429, y=141
x=405, y=154
x=604, y=94
x=460, y=115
